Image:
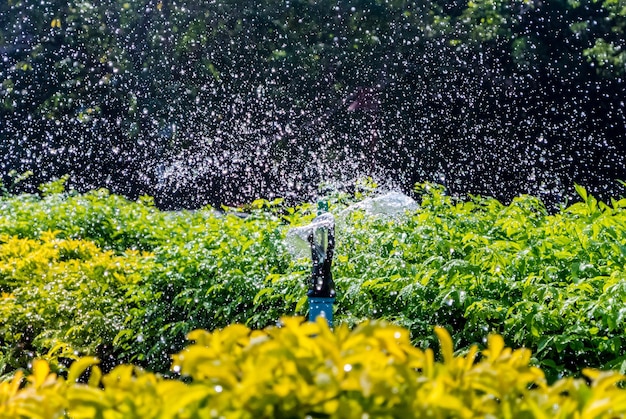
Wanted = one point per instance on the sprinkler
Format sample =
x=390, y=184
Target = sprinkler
x=321, y=292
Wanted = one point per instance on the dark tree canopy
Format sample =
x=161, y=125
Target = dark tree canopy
x=225, y=101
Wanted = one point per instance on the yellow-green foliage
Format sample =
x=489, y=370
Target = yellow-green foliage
x=304, y=369
x=58, y=290
x=23, y=259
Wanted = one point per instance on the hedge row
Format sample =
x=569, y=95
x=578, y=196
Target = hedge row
x=97, y=275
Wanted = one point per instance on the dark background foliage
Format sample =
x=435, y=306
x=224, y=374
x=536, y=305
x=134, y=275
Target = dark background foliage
x=225, y=101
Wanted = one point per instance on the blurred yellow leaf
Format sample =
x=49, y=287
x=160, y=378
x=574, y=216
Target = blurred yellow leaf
x=79, y=367
x=40, y=372
x=495, y=345
x=445, y=341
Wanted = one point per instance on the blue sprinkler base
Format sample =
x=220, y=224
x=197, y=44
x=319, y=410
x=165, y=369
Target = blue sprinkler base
x=321, y=307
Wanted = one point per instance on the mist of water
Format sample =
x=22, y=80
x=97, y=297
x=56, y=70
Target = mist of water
x=225, y=102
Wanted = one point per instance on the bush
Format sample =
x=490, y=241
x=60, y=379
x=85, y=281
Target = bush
x=110, y=221
x=307, y=370
x=67, y=258
x=65, y=297
x=549, y=282
x=211, y=280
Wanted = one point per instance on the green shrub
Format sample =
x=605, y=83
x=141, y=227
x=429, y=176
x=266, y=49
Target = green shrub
x=212, y=279
x=553, y=283
x=550, y=282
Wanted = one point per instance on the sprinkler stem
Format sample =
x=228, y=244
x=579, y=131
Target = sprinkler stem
x=321, y=292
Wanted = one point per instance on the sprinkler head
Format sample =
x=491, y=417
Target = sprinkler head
x=322, y=242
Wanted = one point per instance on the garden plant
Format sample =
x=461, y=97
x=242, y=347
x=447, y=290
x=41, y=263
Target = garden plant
x=97, y=276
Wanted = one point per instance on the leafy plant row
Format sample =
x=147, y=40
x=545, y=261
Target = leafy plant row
x=304, y=369
x=551, y=282
x=97, y=275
